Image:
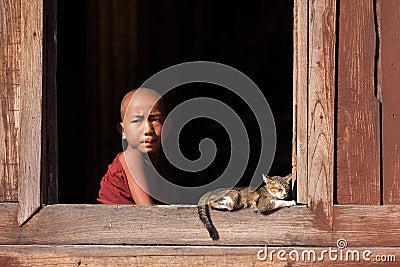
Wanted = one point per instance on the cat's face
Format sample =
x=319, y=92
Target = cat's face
x=278, y=186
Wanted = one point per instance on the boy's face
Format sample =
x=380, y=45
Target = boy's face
x=142, y=123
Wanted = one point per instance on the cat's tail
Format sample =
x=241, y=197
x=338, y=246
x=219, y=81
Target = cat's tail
x=204, y=215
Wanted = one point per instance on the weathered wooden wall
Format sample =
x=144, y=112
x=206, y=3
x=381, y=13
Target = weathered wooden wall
x=358, y=128
x=300, y=104
x=29, y=195
x=390, y=84
x=10, y=100
x=321, y=112
x=102, y=235
x=368, y=153
x=180, y=256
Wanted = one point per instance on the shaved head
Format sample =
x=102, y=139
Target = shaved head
x=127, y=99
x=125, y=102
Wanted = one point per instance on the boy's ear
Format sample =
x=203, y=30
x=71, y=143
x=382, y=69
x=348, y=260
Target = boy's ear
x=266, y=179
x=120, y=128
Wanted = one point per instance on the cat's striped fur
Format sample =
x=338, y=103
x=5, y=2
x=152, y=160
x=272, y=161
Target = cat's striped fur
x=266, y=198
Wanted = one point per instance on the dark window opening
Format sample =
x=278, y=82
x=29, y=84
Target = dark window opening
x=106, y=48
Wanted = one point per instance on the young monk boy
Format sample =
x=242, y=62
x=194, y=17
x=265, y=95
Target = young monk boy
x=142, y=115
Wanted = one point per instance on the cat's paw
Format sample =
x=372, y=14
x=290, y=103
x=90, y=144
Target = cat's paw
x=255, y=209
x=290, y=203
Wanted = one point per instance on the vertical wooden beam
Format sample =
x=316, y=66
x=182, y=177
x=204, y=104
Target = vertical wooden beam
x=358, y=133
x=10, y=41
x=390, y=59
x=294, y=126
x=321, y=96
x=31, y=111
x=300, y=95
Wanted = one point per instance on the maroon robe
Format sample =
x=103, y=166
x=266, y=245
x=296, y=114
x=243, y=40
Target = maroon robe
x=114, y=188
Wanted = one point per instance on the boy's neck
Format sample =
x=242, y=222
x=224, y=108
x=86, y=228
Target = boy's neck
x=153, y=158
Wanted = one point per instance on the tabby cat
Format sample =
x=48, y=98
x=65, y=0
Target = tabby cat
x=266, y=198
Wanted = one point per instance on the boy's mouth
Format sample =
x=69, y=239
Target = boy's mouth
x=149, y=141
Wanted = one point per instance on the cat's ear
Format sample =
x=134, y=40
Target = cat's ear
x=266, y=179
x=288, y=178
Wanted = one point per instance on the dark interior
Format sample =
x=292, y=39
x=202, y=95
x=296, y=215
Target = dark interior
x=107, y=48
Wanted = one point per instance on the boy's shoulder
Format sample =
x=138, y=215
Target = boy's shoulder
x=114, y=187
x=116, y=165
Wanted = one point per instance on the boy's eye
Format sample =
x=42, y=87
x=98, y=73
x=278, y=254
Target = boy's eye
x=156, y=119
x=136, y=121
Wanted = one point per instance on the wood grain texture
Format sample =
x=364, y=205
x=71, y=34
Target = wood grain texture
x=179, y=225
x=321, y=95
x=300, y=95
x=378, y=223
x=10, y=42
x=294, y=111
x=31, y=108
x=168, y=225
x=390, y=62
x=350, y=218
x=358, y=131
x=179, y=256
x=378, y=55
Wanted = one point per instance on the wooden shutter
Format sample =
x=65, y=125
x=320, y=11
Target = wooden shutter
x=368, y=152
x=390, y=87
x=358, y=132
x=31, y=109
x=314, y=95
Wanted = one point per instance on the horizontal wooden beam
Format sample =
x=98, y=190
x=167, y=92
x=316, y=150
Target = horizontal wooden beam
x=94, y=255
x=376, y=222
x=179, y=225
x=105, y=224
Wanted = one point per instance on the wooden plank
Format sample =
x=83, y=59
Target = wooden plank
x=103, y=224
x=378, y=223
x=130, y=256
x=300, y=107
x=31, y=108
x=188, y=256
x=179, y=225
x=350, y=217
x=358, y=137
x=294, y=126
x=321, y=98
x=10, y=41
x=378, y=56
x=390, y=60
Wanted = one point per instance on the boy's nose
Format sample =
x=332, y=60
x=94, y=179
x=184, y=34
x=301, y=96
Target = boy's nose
x=148, y=127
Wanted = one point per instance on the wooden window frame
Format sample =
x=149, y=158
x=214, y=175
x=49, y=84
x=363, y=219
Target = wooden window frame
x=318, y=223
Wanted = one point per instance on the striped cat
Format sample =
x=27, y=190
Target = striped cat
x=266, y=198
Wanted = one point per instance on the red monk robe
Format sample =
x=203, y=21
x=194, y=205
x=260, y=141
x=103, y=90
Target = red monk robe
x=114, y=187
